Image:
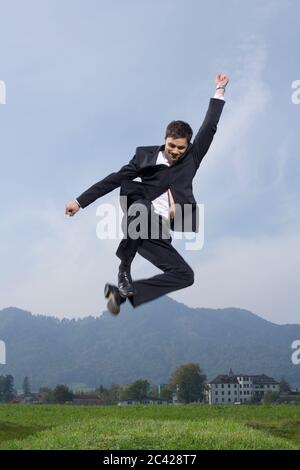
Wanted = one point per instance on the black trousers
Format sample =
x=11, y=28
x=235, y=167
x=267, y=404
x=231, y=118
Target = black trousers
x=177, y=274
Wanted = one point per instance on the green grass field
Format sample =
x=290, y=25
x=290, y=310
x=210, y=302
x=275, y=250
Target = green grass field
x=149, y=427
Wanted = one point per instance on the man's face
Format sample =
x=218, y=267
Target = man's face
x=175, y=148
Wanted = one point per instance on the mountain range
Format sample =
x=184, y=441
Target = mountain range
x=144, y=343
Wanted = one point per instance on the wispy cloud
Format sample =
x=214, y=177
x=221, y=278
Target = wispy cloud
x=247, y=98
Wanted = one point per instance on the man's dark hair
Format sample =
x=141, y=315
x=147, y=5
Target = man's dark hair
x=179, y=130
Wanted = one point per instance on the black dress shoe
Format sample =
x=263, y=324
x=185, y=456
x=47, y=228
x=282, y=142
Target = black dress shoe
x=125, y=284
x=115, y=299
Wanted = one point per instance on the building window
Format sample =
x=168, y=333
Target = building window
x=222, y=393
x=229, y=392
x=216, y=393
x=229, y=399
x=222, y=399
x=216, y=400
x=222, y=385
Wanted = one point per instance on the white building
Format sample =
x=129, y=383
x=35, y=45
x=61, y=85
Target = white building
x=241, y=388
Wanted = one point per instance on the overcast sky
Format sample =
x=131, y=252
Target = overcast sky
x=87, y=82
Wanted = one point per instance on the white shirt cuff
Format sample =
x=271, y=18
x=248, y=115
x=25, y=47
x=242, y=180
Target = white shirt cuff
x=219, y=96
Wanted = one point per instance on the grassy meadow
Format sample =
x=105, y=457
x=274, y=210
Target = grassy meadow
x=149, y=427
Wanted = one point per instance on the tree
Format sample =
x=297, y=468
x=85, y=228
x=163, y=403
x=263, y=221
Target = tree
x=153, y=391
x=61, y=394
x=166, y=392
x=7, y=392
x=124, y=392
x=255, y=400
x=188, y=381
x=138, y=390
x=10, y=391
x=284, y=386
x=114, y=394
x=2, y=387
x=271, y=397
x=26, y=386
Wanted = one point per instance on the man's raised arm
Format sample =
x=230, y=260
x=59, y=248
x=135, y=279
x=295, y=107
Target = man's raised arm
x=106, y=185
x=208, y=128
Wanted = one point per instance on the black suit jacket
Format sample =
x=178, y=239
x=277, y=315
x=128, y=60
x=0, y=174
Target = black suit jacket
x=156, y=179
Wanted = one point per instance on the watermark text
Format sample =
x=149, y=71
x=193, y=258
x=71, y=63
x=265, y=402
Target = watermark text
x=2, y=92
x=296, y=354
x=296, y=94
x=138, y=222
x=2, y=353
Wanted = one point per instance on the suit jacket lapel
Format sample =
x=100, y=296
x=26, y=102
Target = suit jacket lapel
x=153, y=157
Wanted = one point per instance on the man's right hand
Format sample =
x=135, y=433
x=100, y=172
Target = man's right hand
x=71, y=208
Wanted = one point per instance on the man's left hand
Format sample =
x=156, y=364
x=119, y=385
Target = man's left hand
x=222, y=79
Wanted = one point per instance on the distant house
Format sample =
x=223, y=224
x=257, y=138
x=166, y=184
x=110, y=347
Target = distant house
x=34, y=398
x=146, y=401
x=239, y=388
x=88, y=399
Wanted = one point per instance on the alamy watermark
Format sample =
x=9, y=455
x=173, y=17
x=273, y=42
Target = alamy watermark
x=2, y=92
x=140, y=222
x=296, y=354
x=2, y=353
x=296, y=94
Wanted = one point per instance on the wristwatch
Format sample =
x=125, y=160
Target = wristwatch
x=220, y=86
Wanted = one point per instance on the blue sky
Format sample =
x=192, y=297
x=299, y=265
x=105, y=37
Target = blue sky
x=87, y=82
